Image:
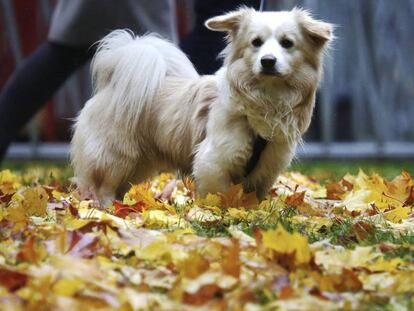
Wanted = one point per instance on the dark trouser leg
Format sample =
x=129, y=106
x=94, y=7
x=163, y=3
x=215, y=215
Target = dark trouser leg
x=33, y=83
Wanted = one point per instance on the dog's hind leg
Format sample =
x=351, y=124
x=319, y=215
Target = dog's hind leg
x=143, y=171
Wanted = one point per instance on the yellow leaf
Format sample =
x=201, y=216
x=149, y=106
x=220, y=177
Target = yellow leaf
x=238, y=213
x=35, y=201
x=397, y=214
x=141, y=193
x=357, y=200
x=203, y=215
x=161, y=251
x=9, y=182
x=58, y=195
x=87, y=213
x=160, y=218
x=382, y=264
x=284, y=242
x=67, y=287
x=209, y=200
x=17, y=215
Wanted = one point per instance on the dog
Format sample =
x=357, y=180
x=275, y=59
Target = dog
x=152, y=112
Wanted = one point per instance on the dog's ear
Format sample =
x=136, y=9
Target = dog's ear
x=318, y=31
x=229, y=22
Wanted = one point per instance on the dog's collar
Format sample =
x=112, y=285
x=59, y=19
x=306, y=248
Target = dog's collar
x=259, y=146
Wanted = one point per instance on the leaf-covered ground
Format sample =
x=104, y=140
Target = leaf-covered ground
x=344, y=245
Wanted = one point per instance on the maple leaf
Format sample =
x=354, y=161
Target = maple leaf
x=60, y=251
x=295, y=199
x=9, y=183
x=141, y=193
x=35, y=201
x=293, y=245
x=334, y=191
x=235, y=197
x=123, y=210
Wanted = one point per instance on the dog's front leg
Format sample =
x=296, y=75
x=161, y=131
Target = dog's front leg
x=209, y=170
x=303, y=113
x=261, y=187
x=274, y=160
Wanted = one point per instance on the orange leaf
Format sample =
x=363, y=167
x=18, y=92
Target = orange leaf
x=231, y=260
x=204, y=294
x=295, y=199
x=334, y=191
x=194, y=266
x=347, y=281
x=31, y=251
x=349, y=186
x=235, y=197
x=123, y=210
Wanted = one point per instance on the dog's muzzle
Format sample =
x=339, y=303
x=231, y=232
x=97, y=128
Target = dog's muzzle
x=268, y=63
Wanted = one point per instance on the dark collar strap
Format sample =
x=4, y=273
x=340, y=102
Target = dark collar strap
x=258, y=146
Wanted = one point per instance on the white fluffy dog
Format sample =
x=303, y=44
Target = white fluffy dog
x=151, y=111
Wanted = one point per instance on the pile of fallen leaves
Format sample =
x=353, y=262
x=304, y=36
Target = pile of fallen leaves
x=347, y=245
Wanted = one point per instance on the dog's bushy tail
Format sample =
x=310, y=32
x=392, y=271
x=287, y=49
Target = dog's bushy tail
x=129, y=69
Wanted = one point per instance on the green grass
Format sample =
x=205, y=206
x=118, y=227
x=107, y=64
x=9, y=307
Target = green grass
x=322, y=170
x=326, y=170
x=22, y=165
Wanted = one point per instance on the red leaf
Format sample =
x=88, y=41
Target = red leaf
x=82, y=245
x=73, y=211
x=123, y=210
x=5, y=198
x=12, y=280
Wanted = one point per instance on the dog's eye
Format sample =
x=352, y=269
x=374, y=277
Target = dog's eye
x=286, y=43
x=257, y=42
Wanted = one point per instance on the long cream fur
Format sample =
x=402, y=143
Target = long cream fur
x=151, y=111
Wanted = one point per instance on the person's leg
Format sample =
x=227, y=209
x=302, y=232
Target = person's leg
x=33, y=83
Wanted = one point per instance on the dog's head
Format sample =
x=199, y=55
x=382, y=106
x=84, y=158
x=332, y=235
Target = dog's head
x=273, y=45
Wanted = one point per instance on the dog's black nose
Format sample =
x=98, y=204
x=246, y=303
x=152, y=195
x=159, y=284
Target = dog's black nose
x=268, y=61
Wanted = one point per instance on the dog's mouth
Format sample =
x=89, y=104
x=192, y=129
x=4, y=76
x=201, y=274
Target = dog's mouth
x=270, y=72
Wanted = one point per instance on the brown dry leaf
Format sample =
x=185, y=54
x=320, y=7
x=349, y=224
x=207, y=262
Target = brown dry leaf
x=31, y=250
x=231, y=259
x=235, y=197
x=347, y=281
x=409, y=201
x=334, y=191
x=295, y=199
x=194, y=265
x=212, y=253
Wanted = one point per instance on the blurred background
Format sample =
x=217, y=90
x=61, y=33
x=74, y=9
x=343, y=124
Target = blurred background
x=365, y=106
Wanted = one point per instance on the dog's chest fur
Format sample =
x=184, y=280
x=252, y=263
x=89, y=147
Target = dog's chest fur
x=268, y=110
